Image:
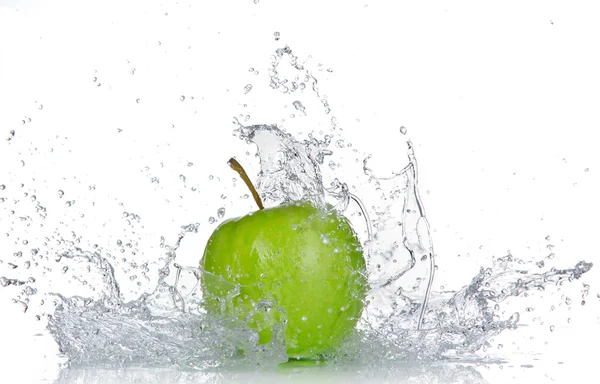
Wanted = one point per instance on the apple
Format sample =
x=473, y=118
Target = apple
x=298, y=271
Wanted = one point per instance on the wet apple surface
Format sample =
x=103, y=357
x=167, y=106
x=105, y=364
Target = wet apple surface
x=299, y=269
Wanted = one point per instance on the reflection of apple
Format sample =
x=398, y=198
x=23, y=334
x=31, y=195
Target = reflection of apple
x=297, y=267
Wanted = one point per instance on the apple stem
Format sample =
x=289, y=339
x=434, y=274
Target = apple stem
x=233, y=163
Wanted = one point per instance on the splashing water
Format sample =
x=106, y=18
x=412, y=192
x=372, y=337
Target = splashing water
x=169, y=327
x=165, y=325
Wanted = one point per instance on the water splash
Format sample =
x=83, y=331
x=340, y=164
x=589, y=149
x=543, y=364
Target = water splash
x=98, y=323
x=168, y=326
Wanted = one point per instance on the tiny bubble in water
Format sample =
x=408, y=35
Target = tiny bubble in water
x=277, y=36
x=403, y=130
x=221, y=213
x=182, y=98
x=211, y=220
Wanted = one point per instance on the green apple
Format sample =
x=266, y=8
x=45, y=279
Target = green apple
x=296, y=268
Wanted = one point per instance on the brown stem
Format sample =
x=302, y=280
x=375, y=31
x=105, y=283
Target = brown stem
x=233, y=163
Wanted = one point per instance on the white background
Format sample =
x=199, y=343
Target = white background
x=501, y=102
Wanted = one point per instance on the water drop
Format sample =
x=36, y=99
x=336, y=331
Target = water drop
x=2, y=187
x=221, y=213
x=247, y=88
x=277, y=36
x=189, y=164
x=132, y=71
x=211, y=220
x=137, y=101
x=304, y=318
x=4, y=281
x=182, y=178
x=60, y=193
x=552, y=328
x=298, y=105
x=403, y=130
x=182, y=98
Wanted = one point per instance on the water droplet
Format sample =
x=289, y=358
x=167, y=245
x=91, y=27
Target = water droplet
x=2, y=187
x=60, y=193
x=155, y=180
x=277, y=36
x=211, y=220
x=182, y=178
x=137, y=101
x=403, y=130
x=247, y=88
x=182, y=98
x=552, y=328
x=256, y=1
x=4, y=281
x=189, y=164
x=298, y=105
x=568, y=301
x=221, y=213
x=304, y=318
x=65, y=269
x=132, y=71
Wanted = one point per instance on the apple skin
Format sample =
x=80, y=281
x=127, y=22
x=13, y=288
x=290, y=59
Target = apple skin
x=293, y=262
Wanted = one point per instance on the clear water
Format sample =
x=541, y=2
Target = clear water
x=129, y=302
